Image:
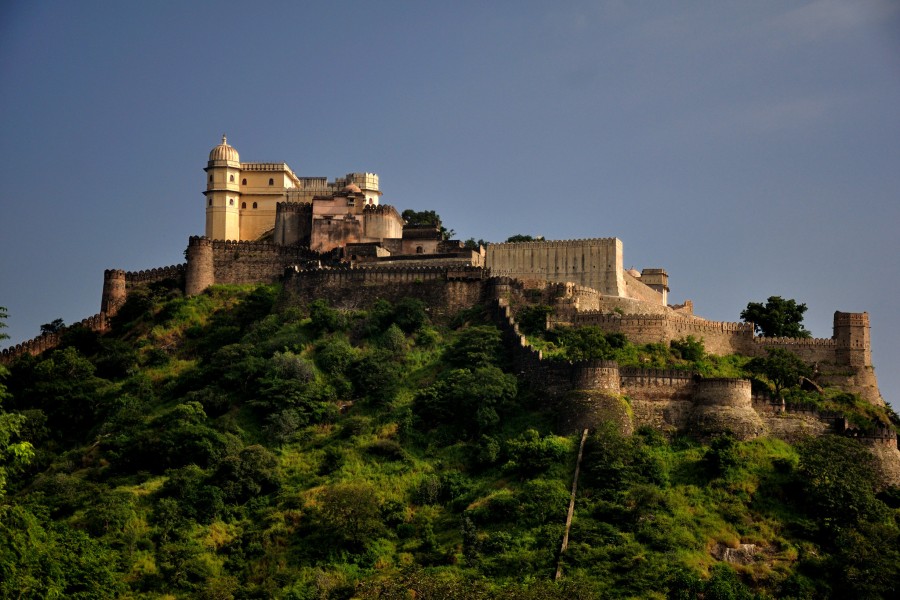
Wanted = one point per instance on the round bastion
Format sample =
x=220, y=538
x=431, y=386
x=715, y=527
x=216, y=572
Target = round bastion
x=722, y=405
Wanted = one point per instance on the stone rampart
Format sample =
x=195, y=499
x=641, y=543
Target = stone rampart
x=593, y=263
x=719, y=337
x=48, y=341
x=175, y=272
x=661, y=398
x=293, y=223
x=637, y=289
x=722, y=392
x=810, y=350
x=445, y=290
x=234, y=262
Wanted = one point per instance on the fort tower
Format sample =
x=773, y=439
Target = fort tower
x=223, y=193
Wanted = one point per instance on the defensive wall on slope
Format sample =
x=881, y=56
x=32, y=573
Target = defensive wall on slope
x=117, y=283
x=444, y=289
x=849, y=347
x=594, y=263
x=668, y=400
x=48, y=341
x=213, y=261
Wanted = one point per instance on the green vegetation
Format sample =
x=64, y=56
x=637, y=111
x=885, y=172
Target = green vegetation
x=426, y=217
x=779, y=317
x=231, y=445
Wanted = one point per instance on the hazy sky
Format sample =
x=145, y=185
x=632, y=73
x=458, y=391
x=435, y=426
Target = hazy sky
x=750, y=148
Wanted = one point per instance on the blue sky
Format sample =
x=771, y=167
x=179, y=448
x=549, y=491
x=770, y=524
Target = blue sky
x=749, y=148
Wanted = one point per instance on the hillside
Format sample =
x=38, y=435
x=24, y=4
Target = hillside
x=242, y=444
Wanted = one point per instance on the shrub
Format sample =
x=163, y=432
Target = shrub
x=530, y=453
x=335, y=355
x=689, y=348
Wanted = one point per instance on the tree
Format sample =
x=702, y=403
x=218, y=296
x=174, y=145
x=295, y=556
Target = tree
x=475, y=347
x=350, y=512
x=54, y=326
x=14, y=452
x=426, y=217
x=779, y=317
x=837, y=478
x=524, y=238
x=782, y=367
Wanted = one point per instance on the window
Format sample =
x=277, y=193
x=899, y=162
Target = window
x=209, y=202
x=244, y=181
x=271, y=182
x=419, y=250
x=210, y=178
x=231, y=179
x=231, y=202
x=243, y=205
x=254, y=205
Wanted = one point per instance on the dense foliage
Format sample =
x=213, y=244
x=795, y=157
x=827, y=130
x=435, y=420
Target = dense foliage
x=778, y=317
x=232, y=445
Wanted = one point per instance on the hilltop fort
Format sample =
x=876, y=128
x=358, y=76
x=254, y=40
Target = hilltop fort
x=336, y=240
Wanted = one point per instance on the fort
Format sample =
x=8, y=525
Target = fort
x=336, y=240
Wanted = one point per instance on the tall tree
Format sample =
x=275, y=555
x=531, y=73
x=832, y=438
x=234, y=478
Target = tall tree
x=782, y=367
x=14, y=452
x=778, y=317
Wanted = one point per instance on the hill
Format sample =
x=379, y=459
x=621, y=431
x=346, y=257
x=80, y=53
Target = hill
x=242, y=443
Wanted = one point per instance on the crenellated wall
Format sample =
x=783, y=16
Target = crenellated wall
x=594, y=263
x=445, y=289
x=668, y=400
x=381, y=222
x=117, y=283
x=48, y=341
x=217, y=261
x=848, y=349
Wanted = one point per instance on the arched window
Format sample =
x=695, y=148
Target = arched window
x=244, y=181
x=210, y=178
x=254, y=205
x=419, y=250
x=209, y=202
x=243, y=205
x=231, y=178
x=231, y=202
x=271, y=182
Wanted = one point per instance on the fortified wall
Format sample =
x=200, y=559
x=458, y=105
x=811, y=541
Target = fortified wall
x=585, y=393
x=594, y=263
x=446, y=290
x=214, y=261
x=844, y=360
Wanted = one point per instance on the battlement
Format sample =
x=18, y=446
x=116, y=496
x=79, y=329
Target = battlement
x=879, y=435
x=48, y=341
x=851, y=319
x=819, y=342
x=155, y=274
x=646, y=374
x=294, y=207
x=390, y=269
x=381, y=209
x=555, y=243
x=266, y=166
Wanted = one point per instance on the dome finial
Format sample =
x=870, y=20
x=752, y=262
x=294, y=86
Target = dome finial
x=224, y=152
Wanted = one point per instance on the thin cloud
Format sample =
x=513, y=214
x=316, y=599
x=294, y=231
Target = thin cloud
x=762, y=117
x=821, y=18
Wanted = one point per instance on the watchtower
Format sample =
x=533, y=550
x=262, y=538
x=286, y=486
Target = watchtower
x=851, y=336
x=223, y=193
